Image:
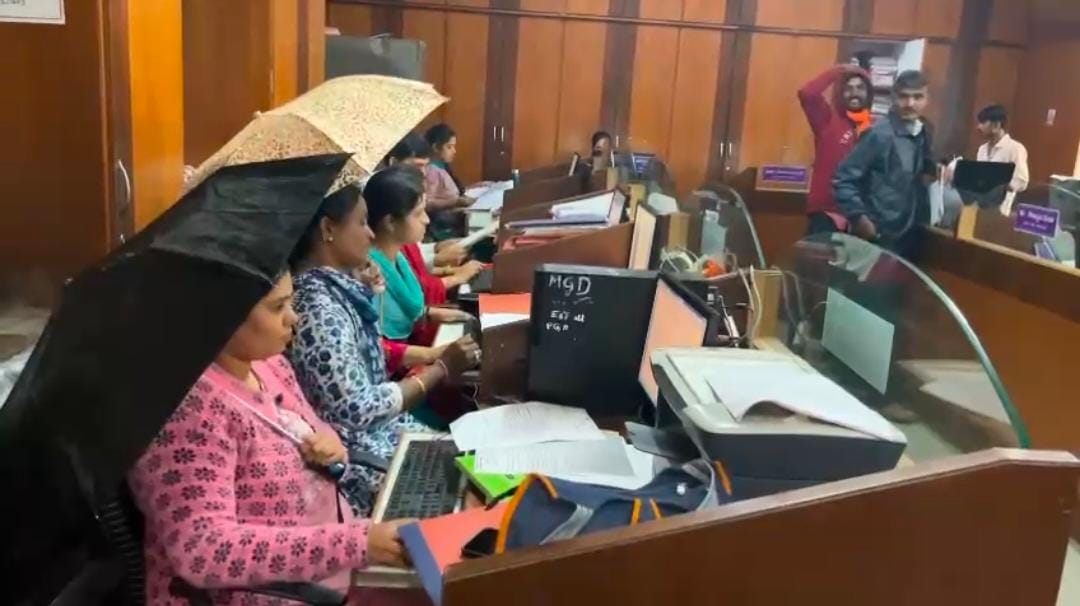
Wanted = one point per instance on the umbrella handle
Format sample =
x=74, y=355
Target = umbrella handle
x=336, y=471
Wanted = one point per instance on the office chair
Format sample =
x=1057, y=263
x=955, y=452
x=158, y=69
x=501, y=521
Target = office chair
x=121, y=525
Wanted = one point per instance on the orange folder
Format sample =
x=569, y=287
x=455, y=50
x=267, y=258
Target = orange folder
x=520, y=303
x=435, y=544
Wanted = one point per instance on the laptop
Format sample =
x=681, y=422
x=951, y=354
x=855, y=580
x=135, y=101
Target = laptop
x=423, y=481
x=983, y=183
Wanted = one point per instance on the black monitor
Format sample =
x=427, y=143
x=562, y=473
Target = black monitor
x=588, y=331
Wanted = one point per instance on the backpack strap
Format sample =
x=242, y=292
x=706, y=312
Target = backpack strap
x=635, y=516
x=508, y=515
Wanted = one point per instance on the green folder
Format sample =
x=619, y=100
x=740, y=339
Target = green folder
x=493, y=485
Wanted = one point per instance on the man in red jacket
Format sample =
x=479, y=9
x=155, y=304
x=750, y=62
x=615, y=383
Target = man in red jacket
x=836, y=127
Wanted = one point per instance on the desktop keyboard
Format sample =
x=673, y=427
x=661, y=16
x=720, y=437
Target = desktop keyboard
x=428, y=484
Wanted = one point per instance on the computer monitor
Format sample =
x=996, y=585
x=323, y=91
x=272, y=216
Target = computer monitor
x=641, y=246
x=674, y=322
x=586, y=336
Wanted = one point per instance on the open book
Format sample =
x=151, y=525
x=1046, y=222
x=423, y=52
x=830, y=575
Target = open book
x=752, y=386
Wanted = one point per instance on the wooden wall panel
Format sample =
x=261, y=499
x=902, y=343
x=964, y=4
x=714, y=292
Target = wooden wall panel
x=918, y=17
x=582, y=88
x=315, y=73
x=661, y=9
x=1009, y=21
x=999, y=72
x=936, y=66
x=228, y=71
x=588, y=7
x=1048, y=81
x=543, y=6
x=937, y=17
x=552, y=120
x=817, y=15
x=536, y=110
x=285, y=50
x=705, y=11
x=155, y=57
x=466, y=85
x=430, y=26
x=653, y=88
x=774, y=127
x=697, y=75
x=351, y=19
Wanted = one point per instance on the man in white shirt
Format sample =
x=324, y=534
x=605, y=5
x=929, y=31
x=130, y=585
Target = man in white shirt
x=1000, y=147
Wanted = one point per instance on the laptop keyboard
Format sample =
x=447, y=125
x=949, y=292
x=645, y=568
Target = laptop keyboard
x=428, y=484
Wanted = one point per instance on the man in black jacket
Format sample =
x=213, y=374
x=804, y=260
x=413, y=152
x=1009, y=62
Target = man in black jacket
x=881, y=187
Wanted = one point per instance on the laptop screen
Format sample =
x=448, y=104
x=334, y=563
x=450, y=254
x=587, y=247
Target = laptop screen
x=673, y=323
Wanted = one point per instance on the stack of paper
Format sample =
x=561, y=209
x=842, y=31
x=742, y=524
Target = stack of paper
x=552, y=440
x=489, y=197
x=522, y=424
x=595, y=207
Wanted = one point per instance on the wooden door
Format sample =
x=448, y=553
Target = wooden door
x=537, y=87
x=580, y=100
x=55, y=166
x=499, y=106
x=467, y=86
x=774, y=129
x=652, y=93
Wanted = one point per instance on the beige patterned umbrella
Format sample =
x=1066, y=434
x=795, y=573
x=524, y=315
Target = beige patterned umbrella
x=361, y=115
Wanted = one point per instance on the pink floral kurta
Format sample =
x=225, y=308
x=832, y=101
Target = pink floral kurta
x=229, y=503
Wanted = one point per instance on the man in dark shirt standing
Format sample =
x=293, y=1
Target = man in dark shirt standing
x=881, y=187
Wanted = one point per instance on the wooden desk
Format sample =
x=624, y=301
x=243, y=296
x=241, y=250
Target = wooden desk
x=1026, y=313
x=936, y=533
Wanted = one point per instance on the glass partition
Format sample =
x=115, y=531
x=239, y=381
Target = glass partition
x=727, y=229
x=649, y=170
x=883, y=330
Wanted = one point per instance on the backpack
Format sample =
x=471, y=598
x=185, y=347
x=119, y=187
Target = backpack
x=544, y=510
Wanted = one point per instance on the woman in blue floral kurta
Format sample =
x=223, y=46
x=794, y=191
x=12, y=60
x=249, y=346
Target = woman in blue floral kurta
x=337, y=349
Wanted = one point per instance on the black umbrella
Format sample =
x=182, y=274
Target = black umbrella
x=130, y=338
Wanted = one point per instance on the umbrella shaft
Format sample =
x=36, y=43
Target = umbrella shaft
x=274, y=425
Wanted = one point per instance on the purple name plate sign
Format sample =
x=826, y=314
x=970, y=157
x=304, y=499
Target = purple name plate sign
x=1037, y=220
x=778, y=177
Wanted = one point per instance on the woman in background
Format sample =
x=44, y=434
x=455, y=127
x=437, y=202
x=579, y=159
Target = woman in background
x=397, y=215
x=229, y=500
x=435, y=279
x=338, y=353
x=445, y=192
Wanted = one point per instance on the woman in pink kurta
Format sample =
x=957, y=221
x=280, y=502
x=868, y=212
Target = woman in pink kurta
x=230, y=500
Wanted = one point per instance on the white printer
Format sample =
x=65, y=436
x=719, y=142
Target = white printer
x=769, y=445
